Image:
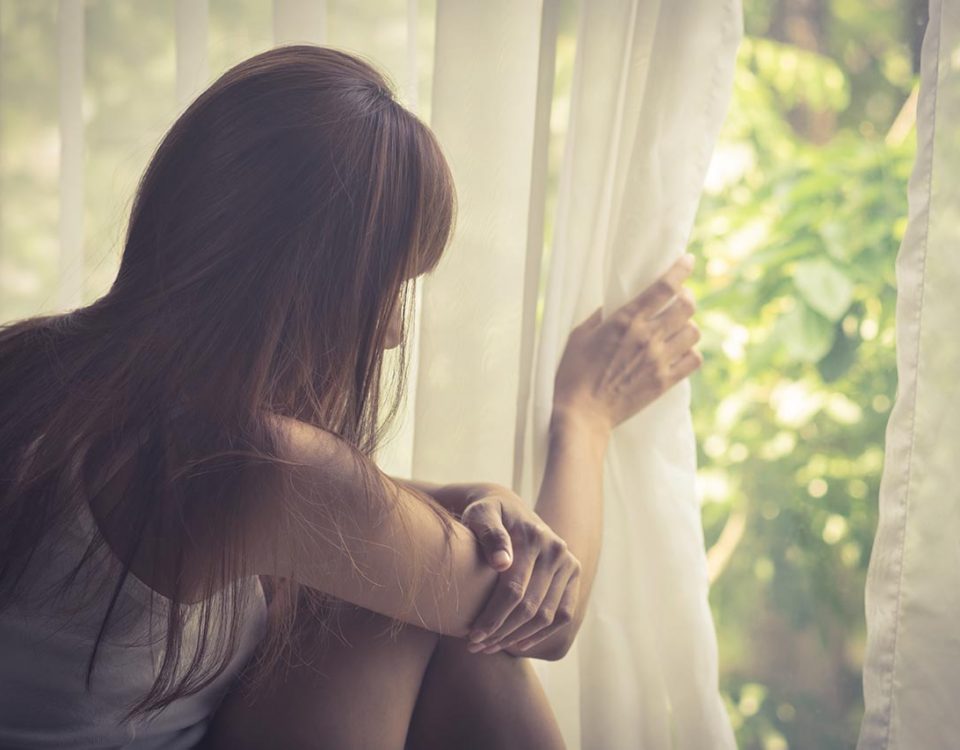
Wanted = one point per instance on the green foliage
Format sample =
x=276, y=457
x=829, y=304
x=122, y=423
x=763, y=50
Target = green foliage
x=796, y=286
x=797, y=76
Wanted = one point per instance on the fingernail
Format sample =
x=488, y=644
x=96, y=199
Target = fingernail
x=501, y=557
x=477, y=635
x=491, y=649
x=474, y=647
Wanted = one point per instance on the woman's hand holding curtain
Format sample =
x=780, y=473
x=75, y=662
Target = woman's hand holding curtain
x=613, y=368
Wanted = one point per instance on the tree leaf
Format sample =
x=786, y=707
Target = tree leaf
x=806, y=335
x=824, y=286
x=841, y=356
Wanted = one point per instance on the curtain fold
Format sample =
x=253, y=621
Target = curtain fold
x=483, y=111
x=651, y=86
x=912, y=667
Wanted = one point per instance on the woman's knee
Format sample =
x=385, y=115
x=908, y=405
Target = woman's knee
x=481, y=701
x=357, y=691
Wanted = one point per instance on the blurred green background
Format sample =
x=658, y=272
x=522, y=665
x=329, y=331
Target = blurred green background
x=796, y=236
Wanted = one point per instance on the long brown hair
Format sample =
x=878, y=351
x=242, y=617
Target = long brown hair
x=270, y=237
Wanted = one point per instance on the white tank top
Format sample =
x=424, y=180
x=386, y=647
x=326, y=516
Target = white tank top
x=44, y=702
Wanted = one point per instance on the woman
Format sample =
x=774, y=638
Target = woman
x=189, y=506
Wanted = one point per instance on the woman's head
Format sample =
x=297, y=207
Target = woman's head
x=265, y=268
x=274, y=230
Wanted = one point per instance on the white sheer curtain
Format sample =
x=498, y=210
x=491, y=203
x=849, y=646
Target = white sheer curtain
x=651, y=85
x=912, y=665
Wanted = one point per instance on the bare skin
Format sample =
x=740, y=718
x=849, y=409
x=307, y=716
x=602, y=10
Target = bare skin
x=438, y=695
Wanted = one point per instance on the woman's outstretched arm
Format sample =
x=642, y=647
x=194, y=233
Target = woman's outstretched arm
x=520, y=542
x=611, y=368
x=570, y=502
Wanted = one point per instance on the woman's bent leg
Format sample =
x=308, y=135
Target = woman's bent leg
x=481, y=702
x=356, y=695
x=417, y=690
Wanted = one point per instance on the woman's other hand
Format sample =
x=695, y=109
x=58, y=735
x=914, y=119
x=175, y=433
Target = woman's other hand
x=613, y=368
x=539, y=580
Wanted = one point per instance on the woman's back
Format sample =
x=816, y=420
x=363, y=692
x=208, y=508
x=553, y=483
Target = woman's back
x=45, y=645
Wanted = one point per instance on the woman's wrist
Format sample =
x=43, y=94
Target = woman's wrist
x=566, y=420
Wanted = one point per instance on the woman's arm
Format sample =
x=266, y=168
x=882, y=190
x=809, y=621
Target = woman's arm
x=527, y=552
x=365, y=557
x=610, y=369
x=570, y=502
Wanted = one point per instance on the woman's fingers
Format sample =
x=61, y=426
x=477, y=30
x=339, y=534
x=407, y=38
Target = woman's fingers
x=547, y=614
x=675, y=315
x=685, y=365
x=680, y=342
x=530, y=610
x=564, y=615
x=485, y=519
x=652, y=299
x=509, y=592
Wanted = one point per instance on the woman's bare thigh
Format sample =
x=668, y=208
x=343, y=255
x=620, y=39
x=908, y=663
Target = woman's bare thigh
x=355, y=693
